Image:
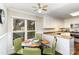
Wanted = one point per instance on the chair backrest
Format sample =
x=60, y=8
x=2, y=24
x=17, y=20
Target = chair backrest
x=38, y=36
x=50, y=38
x=17, y=43
x=54, y=42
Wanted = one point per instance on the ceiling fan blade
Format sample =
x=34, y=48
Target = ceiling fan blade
x=34, y=6
x=39, y=5
x=45, y=6
x=35, y=9
x=44, y=9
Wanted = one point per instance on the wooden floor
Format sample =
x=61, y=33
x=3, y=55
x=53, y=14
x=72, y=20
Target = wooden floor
x=76, y=46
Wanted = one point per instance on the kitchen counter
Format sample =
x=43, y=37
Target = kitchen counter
x=65, y=37
x=75, y=34
x=65, y=45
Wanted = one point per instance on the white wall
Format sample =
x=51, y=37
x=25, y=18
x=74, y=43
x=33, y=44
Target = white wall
x=39, y=24
x=50, y=22
x=4, y=20
x=3, y=44
x=69, y=21
x=3, y=32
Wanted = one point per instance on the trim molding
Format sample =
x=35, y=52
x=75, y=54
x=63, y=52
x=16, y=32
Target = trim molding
x=3, y=35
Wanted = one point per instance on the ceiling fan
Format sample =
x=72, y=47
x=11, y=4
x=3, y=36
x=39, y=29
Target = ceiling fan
x=41, y=7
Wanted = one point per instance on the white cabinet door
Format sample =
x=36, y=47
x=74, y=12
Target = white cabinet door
x=64, y=46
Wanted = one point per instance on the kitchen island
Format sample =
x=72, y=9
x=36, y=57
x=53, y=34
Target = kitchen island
x=65, y=45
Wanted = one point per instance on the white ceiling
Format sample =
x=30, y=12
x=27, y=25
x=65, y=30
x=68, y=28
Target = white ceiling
x=58, y=10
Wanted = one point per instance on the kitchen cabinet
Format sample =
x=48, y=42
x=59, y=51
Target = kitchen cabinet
x=65, y=46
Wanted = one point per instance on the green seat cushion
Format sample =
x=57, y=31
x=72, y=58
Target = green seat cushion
x=32, y=51
x=48, y=51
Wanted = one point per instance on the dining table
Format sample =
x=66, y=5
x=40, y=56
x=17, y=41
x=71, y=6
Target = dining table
x=41, y=45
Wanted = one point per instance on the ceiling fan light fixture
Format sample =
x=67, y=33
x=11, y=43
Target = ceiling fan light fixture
x=39, y=10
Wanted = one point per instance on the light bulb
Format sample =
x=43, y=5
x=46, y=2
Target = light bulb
x=75, y=13
x=39, y=10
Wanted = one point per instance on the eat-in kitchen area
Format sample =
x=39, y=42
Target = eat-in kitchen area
x=44, y=29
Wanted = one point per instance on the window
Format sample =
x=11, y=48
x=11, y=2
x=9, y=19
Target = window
x=22, y=27
x=30, y=29
x=18, y=28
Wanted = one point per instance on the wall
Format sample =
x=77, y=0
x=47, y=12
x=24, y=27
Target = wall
x=50, y=22
x=3, y=44
x=39, y=24
x=3, y=32
x=69, y=21
x=4, y=20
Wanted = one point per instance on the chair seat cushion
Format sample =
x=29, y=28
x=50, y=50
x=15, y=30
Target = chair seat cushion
x=48, y=51
x=32, y=51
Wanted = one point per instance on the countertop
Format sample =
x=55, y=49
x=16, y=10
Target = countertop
x=65, y=37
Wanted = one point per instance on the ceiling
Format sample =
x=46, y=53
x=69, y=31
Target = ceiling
x=58, y=10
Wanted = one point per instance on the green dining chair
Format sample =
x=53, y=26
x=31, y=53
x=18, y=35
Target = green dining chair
x=25, y=51
x=17, y=45
x=34, y=51
x=51, y=50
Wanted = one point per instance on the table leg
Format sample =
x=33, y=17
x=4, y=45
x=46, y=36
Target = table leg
x=41, y=48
